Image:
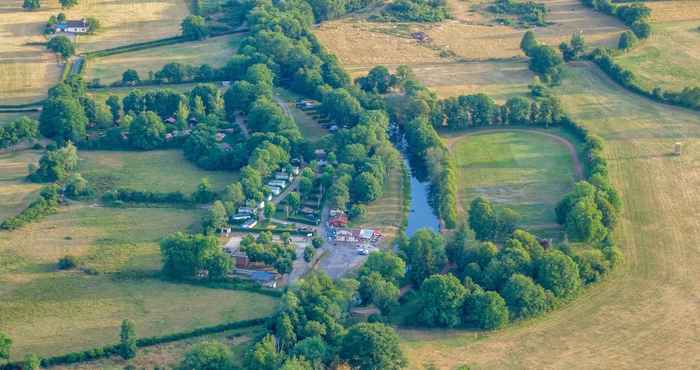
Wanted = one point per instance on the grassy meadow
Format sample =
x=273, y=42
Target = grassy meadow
x=527, y=171
x=647, y=306
x=157, y=170
x=670, y=57
x=386, y=213
x=309, y=127
x=215, y=51
x=47, y=311
x=15, y=192
x=27, y=71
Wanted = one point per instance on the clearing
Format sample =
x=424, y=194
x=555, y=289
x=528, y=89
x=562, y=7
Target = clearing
x=156, y=170
x=645, y=315
x=49, y=312
x=15, y=192
x=528, y=171
x=215, y=51
x=27, y=71
x=670, y=57
x=386, y=213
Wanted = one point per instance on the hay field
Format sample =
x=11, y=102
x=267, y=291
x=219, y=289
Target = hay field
x=670, y=58
x=527, y=171
x=646, y=314
x=157, y=170
x=215, y=51
x=26, y=72
x=48, y=312
x=470, y=36
x=15, y=192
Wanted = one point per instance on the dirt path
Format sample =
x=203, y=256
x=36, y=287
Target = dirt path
x=571, y=148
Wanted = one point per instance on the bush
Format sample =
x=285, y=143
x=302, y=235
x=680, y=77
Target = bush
x=309, y=254
x=67, y=262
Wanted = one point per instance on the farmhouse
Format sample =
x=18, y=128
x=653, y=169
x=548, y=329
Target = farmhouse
x=71, y=26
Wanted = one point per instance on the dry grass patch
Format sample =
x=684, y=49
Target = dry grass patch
x=386, y=213
x=478, y=40
x=215, y=51
x=677, y=10
x=26, y=72
x=15, y=192
x=359, y=43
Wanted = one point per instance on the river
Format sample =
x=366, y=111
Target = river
x=421, y=214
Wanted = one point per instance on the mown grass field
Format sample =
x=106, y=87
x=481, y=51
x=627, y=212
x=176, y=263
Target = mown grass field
x=645, y=315
x=527, y=171
x=15, y=192
x=158, y=170
x=47, y=311
x=27, y=71
x=309, y=127
x=386, y=213
x=670, y=58
x=215, y=51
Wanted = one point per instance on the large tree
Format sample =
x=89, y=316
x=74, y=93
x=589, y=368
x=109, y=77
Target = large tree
x=483, y=219
x=65, y=4
x=559, y=273
x=184, y=255
x=441, y=299
x=424, y=255
x=524, y=297
x=488, y=310
x=147, y=131
x=63, y=119
x=61, y=45
x=31, y=4
x=372, y=347
x=195, y=27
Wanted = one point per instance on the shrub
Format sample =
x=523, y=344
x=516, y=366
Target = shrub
x=67, y=262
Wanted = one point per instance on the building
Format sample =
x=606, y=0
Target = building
x=275, y=190
x=339, y=220
x=250, y=224
x=284, y=176
x=72, y=26
x=246, y=210
x=278, y=183
x=240, y=217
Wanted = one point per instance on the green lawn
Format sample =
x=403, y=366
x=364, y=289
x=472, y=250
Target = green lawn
x=48, y=312
x=670, y=58
x=526, y=171
x=386, y=213
x=308, y=126
x=15, y=192
x=158, y=170
x=215, y=51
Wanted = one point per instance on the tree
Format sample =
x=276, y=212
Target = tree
x=559, y=273
x=65, y=4
x=130, y=77
x=372, y=347
x=195, y=27
x=584, y=221
x=377, y=80
x=147, y=131
x=627, y=40
x=366, y=187
x=204, y=193
x=94, y=25
x=63, y=119
x=31, y=362
x=296, y=364
x=313, y=349
x=31, y=4
x=487, y=310
x=294, y=200
x=76, y=186
x=357, y=211
x=209, y=355
x=216, y=216
x=524, y=298
x=5, y=345
x=387, y=264
x=424, y=255
x=264, y=355
x=441, y=299
x=184, y=255
x=233, y=197
x=483, y=219
x=115, y=107
x=127, y=340
x=545, y=60
x=61, y=45
x=528, y=42
x=56, y=165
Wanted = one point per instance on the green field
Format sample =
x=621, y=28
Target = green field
x=15, y=192
x=645, y=314
x=670, y=58
x=50, y=312
x=386, y=213
x=308, y=126
x=215, y=51
x=528, y=171
x=6, y=118
x=158, y=170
